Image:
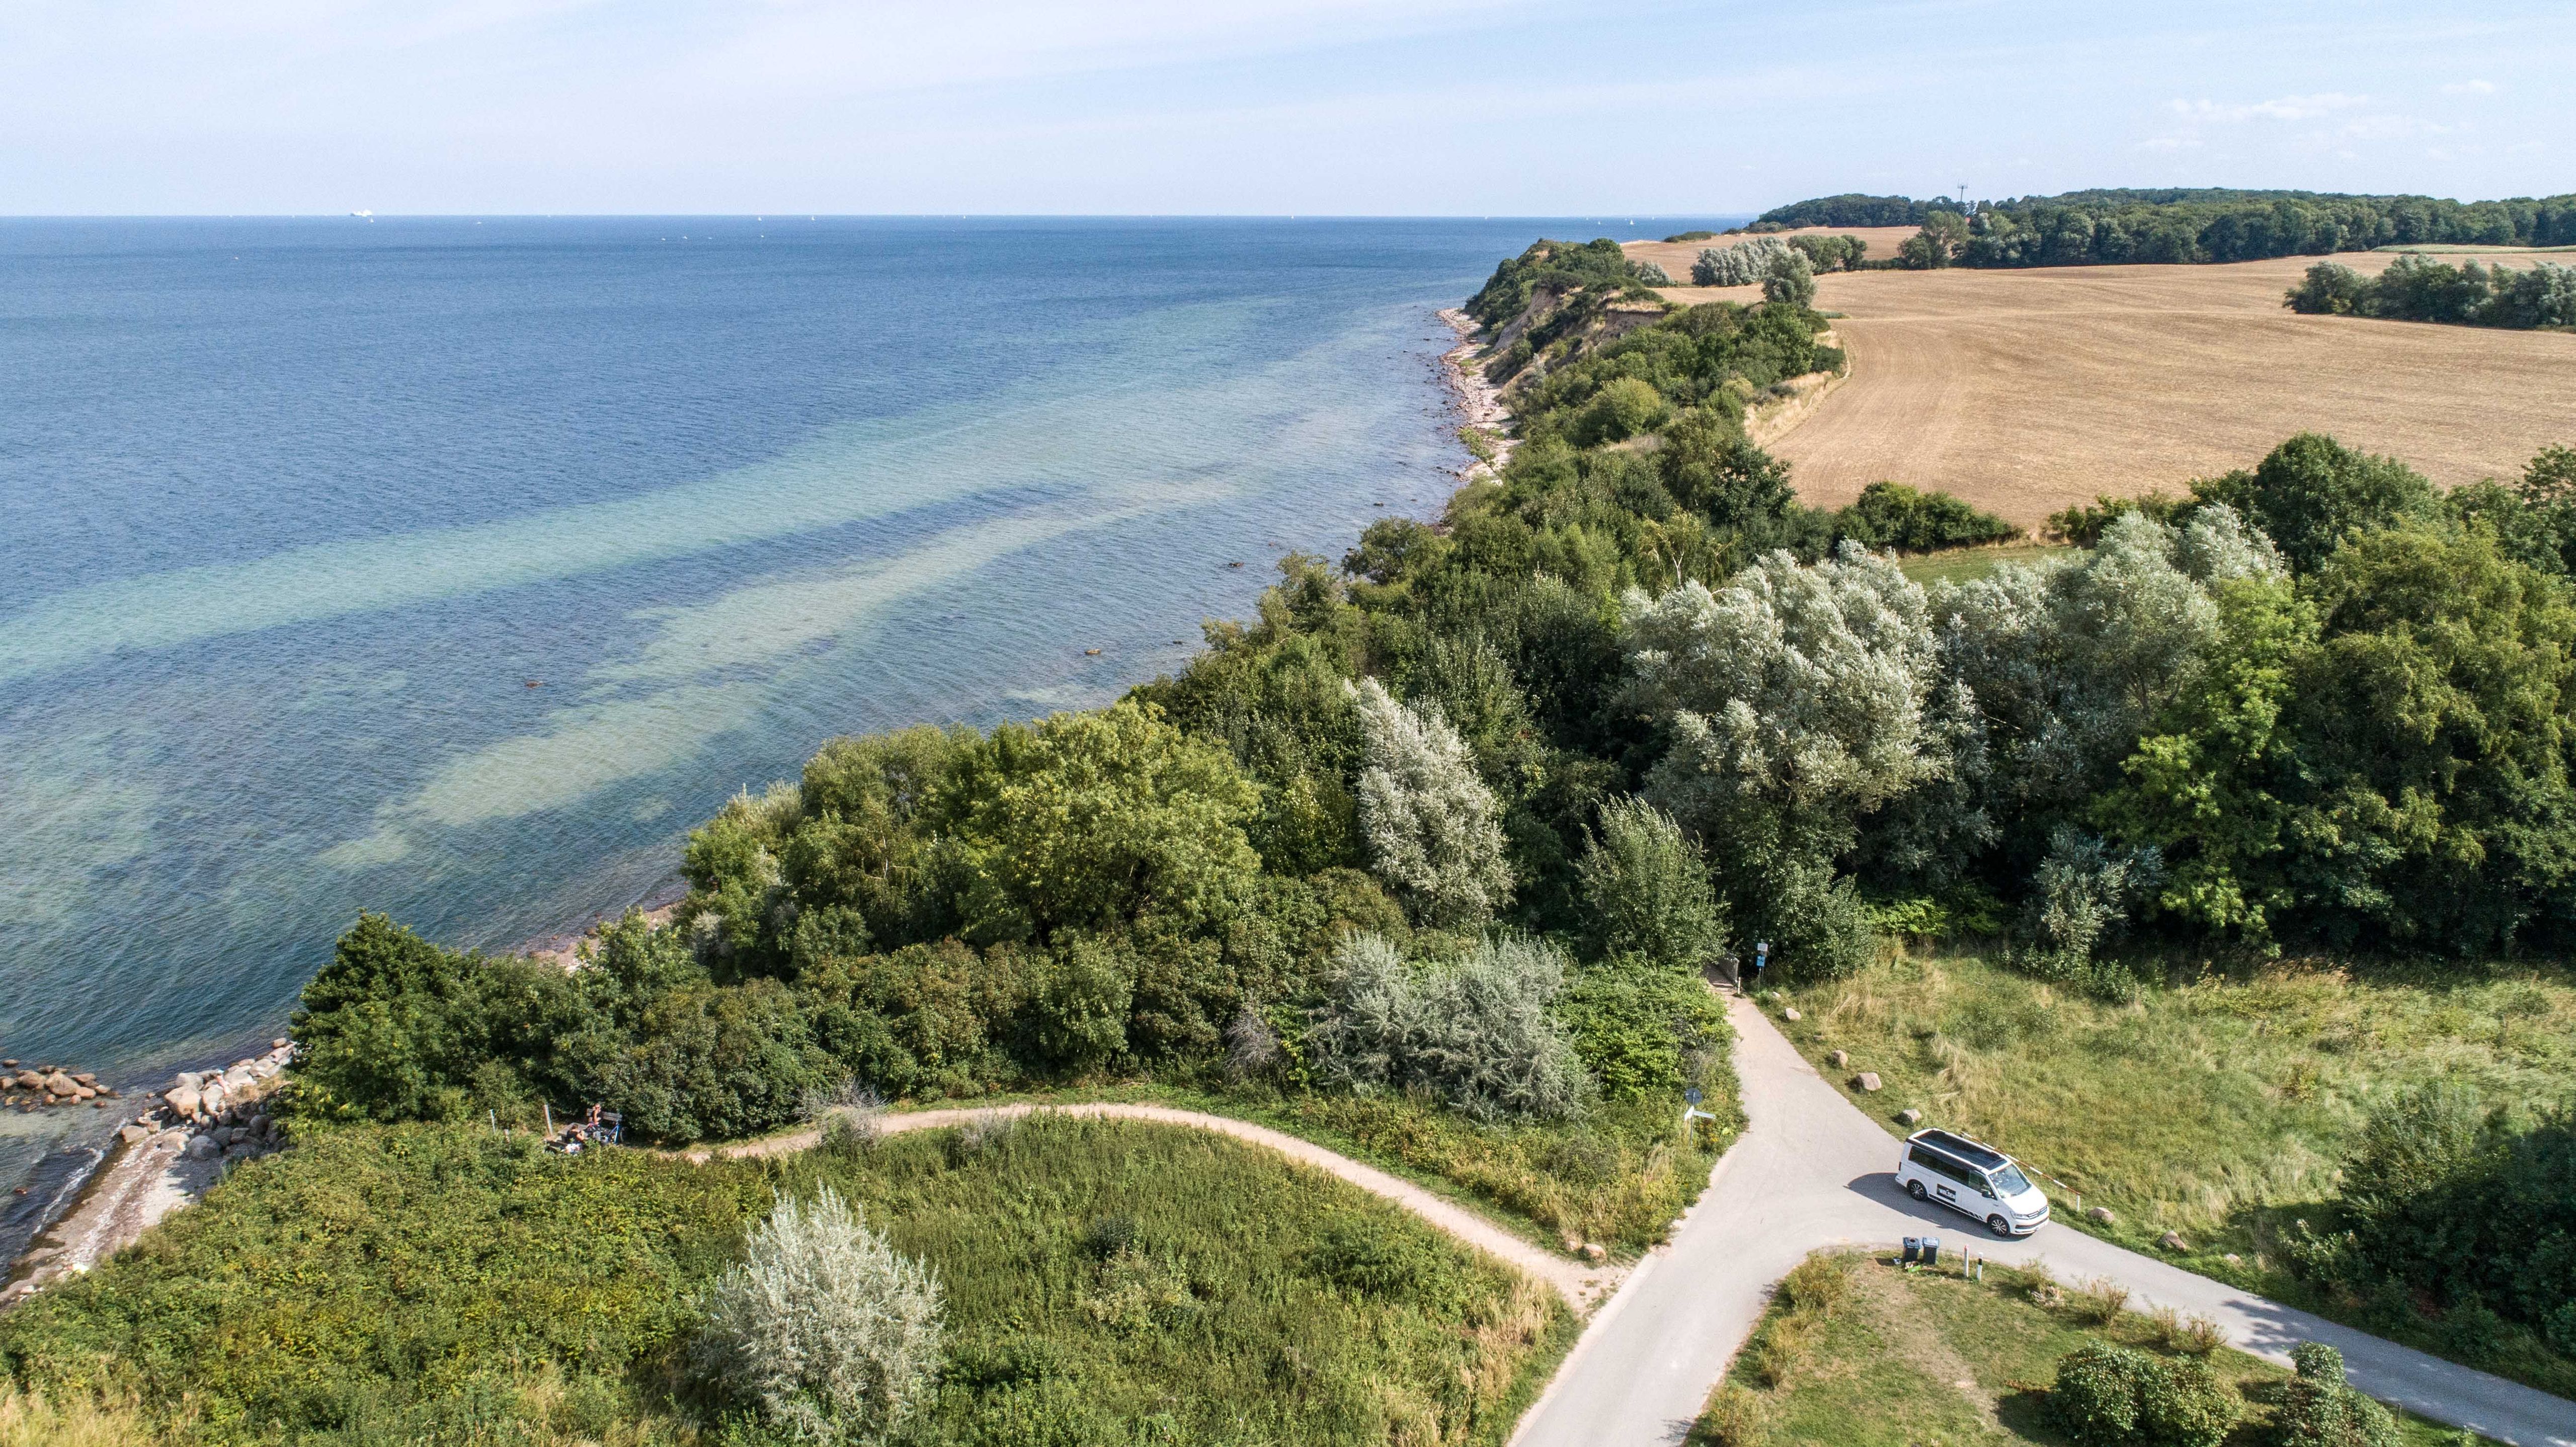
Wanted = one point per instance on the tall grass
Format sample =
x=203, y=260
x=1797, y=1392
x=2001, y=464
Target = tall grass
x=431, y=1285
x=1888, y=1356
x=2211, y=1095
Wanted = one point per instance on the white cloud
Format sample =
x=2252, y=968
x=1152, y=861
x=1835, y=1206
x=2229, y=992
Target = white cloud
x=2471, y=87
x=2282, y=108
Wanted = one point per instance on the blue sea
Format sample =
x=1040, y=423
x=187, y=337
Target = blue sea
x=454, y=568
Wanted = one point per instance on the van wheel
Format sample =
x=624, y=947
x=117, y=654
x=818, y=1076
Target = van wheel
x=1999, y=1226
x=1915, y=1189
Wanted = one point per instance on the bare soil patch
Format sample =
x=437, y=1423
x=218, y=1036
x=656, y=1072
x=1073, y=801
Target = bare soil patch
x=2024, y=391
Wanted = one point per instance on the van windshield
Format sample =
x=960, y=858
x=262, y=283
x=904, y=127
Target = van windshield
x=2010, y=1181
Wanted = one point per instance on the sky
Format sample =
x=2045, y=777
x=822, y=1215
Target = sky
x=1268, y=107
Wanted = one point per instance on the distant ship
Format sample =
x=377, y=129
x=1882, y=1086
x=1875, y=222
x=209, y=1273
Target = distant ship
x=364, y=215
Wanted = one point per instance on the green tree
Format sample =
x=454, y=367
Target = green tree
x=1938, y=244
x=1791, y=703
x=1711, y=467
x=1648, y=890
x=2312, y=492
x=2329, y=289
x=2433, y=730
x=2205, y=787
x=1432, y=826
x=1790, y=280
x=1093, y=820
x=1623, y=408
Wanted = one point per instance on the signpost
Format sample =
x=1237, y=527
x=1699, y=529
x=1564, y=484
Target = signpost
x=1692, y=1098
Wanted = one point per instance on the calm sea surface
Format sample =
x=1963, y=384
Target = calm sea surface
x=455, y=568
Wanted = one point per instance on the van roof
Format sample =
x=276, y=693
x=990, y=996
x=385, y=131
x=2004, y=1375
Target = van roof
x=1983, y=1157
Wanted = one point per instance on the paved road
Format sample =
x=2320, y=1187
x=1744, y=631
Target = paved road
x=1813, y=1170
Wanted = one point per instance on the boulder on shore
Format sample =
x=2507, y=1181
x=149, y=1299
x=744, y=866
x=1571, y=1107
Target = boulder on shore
x=2101, y=1214
x=1866, y=1080
x=183, y=1099
x=1909, y=1117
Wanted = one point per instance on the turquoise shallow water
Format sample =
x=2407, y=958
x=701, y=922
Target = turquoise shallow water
x=297, y=511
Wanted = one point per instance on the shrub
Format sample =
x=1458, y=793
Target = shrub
x=2096, y=1395
x=1638, y=1029
x=2085, y=892
x=1892, y=515
x=1476, y=1034
x=2109, y=1396
x=1648, y=890
x=2101, y=1301
x=2317, y=1408
x=2083, y=524
x=1741, y=264
x=822, y=1330
x=1364, y=1257
x=1736, y=1417
x=1817, y=1285
x=1623, y=408
x=2184, y=1404
x=1432, y=826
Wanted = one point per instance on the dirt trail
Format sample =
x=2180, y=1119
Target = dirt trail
x=1579, y=1284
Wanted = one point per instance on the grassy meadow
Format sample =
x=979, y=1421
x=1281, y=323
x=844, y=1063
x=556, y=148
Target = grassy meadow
x=1106, y=1282
x=1860, y=1352
x=1966, y=565
x=2216, y=1104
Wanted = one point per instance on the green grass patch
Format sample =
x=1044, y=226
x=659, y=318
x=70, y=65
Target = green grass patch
x=1966, y=565
x=1617, y=1175
x=2217, y=1105
x=428, y=1284
x=1860, y=1352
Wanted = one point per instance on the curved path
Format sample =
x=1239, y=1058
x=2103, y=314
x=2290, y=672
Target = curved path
x=1579, y=1284
x=1811, y=1171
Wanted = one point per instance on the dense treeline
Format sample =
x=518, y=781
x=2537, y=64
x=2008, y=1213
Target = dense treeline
x=1848, y=209
x=2420, y=289
x=1279, y=865
x=1627, y=702
x=2103, y=227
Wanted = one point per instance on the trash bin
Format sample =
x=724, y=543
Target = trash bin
x=1913, y=1249
x=1931, y=1250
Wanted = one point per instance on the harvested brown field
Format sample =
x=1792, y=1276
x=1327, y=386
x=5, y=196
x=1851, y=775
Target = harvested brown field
x=2024, y=391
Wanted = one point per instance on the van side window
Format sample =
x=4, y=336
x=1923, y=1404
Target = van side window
x=1938, y=1164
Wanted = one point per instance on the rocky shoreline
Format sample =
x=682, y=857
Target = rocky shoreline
x=162, y=1159
x=1479, y=401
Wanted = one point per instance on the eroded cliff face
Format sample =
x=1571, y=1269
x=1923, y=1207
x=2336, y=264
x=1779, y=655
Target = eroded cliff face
x=1560, y=326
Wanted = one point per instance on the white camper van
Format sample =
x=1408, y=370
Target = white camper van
x=1972, y=1179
